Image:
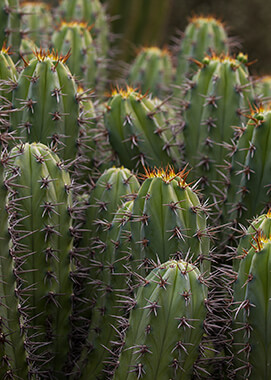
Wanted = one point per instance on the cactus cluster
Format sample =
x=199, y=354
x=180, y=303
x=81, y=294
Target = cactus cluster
x=135, y=215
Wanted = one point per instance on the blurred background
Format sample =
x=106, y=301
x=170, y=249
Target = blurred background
x=154, y=22
x=248, y=21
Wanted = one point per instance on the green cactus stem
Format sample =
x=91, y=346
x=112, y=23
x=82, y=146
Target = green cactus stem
x=138, y=131
x=250, y=318
x=165, y=327
x=152, y=71
x=47, y=104
x=39, y=206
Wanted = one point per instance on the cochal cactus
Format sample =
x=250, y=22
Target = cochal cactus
x=165, y=327
x=214, y=102
x=13, y=359
x=259, y=226
x=112, y=189
x=263, y=89
x=40, y=224
x=152, y=71
x=36, y=22
x=92, y=134
x=47, y=104
x=202, y=36
x=93, y=13
x=249, y=186
x=83, y=63
x=168, y=221
x=138, y=130
x=113, y=287
x=251, y=320
x=10, y=25
x=8, y=77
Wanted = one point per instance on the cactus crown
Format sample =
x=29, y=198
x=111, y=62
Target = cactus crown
x=125, y=93
x=200, y=18
x=167, y=175
x=35, y=3
x=71, y=24
x=43, y=54
x=5, y=50
x=241, y=57
x=155, y=50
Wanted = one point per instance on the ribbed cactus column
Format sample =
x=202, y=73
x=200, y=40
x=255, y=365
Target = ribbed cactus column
x=40, y=223
x=47, y=104
x=152, y=71
x=36, y=22
x=263, y=89
x=168, y=221
x=13, y=360
x=10, y=24
x=260, y=226
x=251, y=312
x=138, y=131
x=202, y=36
x=93, y=13
x=113, y=188
x=112, y=287
x=8, y=77
x=83, y=63
x=249, y=188
x=213, y=105
x=165, y=327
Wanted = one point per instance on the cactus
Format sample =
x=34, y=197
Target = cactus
x=249, y=188
x=212, y=105
x=47, y=104
x=38, y=205
x=27, y=50
x=202, y=36
x=83, y=63
x=151, y=71
x=13, y=361
x=36, y=22
x=251, y=320
x=263, y=89
x=109, y=192
x=8, y=73
x=10, y=24
x=260, y=226
x=93, y=13
x=8, y=77
x=138, y=131
x=168, y=221
x=113, y=188
x=112, y=287
x=92, y=134
x=165, y=326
